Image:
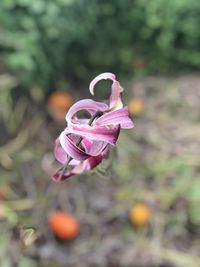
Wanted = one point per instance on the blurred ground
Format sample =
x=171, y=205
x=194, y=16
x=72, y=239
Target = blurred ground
x=156, y=163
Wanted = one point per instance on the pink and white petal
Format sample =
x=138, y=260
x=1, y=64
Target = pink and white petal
x=94, y=161
x=74, y=162
x=97, y=147
x=85, y=104
x=115, y=97
x=80, y=168
x=99, y=133
x=91, y=147
x=116, y=117
x=81, y=121
x=105, y=151
x=65, y=176
x=76, y=120
x=103, y=76
x=86, y=143
x=71, y=149
x=59, y=153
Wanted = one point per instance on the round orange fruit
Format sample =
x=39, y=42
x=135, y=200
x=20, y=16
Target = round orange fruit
x=64, y=225
x=140, y=214
x=136, y=106
x=59, y=103
x=60, y=100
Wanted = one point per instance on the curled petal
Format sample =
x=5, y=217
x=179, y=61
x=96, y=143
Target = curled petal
x=115, y=97
x=119, y=116
x=94, y=161
x=77, y=120
x=71, y=149
x=98, y=147
x=86, y=143
x=80, y=168
x=93, y=148
x=85, y=104
x=65, y=176
x=59, y=153
x=63, y=158
x=103, y=76
x=99, y=133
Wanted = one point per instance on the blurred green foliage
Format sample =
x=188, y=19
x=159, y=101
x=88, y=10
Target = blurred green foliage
x=47, y=42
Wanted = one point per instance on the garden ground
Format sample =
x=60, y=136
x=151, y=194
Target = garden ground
x=156, y=163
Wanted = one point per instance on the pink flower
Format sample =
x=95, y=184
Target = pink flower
x=85, y=142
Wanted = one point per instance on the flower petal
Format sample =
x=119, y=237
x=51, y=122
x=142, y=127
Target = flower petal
x=60, y=154
x=119, y=116
x=62, y=157
x=86, y=143
x=97, y=147
x=103, y=76
x=82, y=167
x=85, y=104
x=94, y=161
x=66, y=175
x=98, y=133
x=115, y=97
x=71, y=149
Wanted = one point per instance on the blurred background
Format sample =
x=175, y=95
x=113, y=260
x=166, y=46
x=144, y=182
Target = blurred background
x=141, y=206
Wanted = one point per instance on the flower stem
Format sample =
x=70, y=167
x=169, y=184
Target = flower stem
x=78, y=143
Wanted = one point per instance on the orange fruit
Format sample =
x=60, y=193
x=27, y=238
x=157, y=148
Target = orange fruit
x=140, y=214
x=64, y=225
x=136, y=106
x=60, y=100
x=59, y=103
